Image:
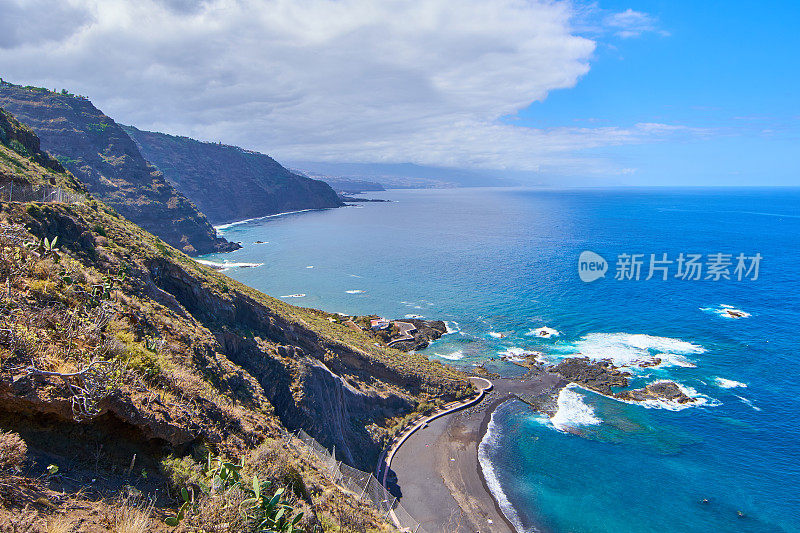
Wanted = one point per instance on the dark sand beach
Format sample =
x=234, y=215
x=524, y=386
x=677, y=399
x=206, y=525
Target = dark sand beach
x=437, y=468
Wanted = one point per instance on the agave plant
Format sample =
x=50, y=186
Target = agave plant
x=270, y=514
x=45, y=248
x=220, y=475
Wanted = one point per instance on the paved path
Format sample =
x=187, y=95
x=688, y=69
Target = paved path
x=483, y=385
x=438, y=474
x=404, y=328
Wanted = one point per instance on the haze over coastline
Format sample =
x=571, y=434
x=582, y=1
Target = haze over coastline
x=545, y=93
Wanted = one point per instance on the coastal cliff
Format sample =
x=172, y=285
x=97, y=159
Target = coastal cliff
x=121, y=350
x=228, y=183
x=101, y=155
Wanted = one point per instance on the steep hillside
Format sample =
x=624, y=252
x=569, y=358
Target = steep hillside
x=99, y=153
x=228, y=183
x=123, y=362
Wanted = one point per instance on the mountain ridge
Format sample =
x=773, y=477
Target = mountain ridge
x=246, y=184
x=98, y=152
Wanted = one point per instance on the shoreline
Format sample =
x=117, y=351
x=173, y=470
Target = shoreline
x=228, y=225
x=482, y=430
x=439, y=475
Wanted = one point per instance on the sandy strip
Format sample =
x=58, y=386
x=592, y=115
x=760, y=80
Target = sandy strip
x=438, y=473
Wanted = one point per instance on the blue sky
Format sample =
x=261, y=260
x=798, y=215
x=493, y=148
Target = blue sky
x=727, y=67
x=552, y=92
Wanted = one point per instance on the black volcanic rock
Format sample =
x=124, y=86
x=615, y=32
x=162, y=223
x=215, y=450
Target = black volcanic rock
x=229, y=183
x=102, y=156
x=599, y=376
x=662, y=390
x=426, y=332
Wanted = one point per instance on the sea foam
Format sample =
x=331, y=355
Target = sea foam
x=748, y=402
x=491, y=440
x=632, y=349
x=544, y=332
x=223, y=227
x=452, y=356
x=661, y=403
x=452, y=327
x=520, y=354
x=726, y=311
x=222, y=267
x=572, y=411
x=728, y=383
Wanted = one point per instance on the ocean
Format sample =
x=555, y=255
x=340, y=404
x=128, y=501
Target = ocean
x=500, y=264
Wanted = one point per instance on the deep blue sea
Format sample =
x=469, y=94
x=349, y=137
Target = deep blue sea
x=498, y=264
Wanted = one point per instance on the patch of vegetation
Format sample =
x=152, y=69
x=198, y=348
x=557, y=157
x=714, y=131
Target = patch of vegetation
x=66, y=161
x=13, y=451
x=19, y=148
x=223, y=490
x=97, y=127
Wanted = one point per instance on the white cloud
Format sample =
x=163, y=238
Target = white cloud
x=38, y=21
x=630, y=23
x=347, y=80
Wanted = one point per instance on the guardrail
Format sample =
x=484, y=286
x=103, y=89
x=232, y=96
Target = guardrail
x=14, y=192
x=361, y=484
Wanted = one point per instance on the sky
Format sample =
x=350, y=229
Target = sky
x=551, y=92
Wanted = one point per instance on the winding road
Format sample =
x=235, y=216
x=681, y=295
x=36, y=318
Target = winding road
x=483, y=385
x=439, y=478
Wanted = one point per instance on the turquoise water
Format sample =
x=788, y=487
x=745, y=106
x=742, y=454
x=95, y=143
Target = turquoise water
x=499, y=263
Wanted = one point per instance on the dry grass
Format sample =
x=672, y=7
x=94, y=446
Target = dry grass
x=22, y=522
x=13, y=451
x=220, y=513
x=58, y=524
x=132, y=518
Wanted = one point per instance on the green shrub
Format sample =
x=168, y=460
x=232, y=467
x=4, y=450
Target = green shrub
x=33, y=210
x=64, y=160
x=99, y=127
x=139, y=358
x=19, y=148
x=183, y=472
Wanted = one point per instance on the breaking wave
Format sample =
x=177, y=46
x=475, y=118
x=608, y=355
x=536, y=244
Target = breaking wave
x=632, y=349
x=544, y=332
x=452, y=327
x=225, y=265
x=223, y=227
x=572, y=411
x=491, y=440
x=452, y=356
x=728, y=383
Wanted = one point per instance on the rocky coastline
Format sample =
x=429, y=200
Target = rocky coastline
x=605, y=378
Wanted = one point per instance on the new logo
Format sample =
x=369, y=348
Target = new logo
x=591, y=266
